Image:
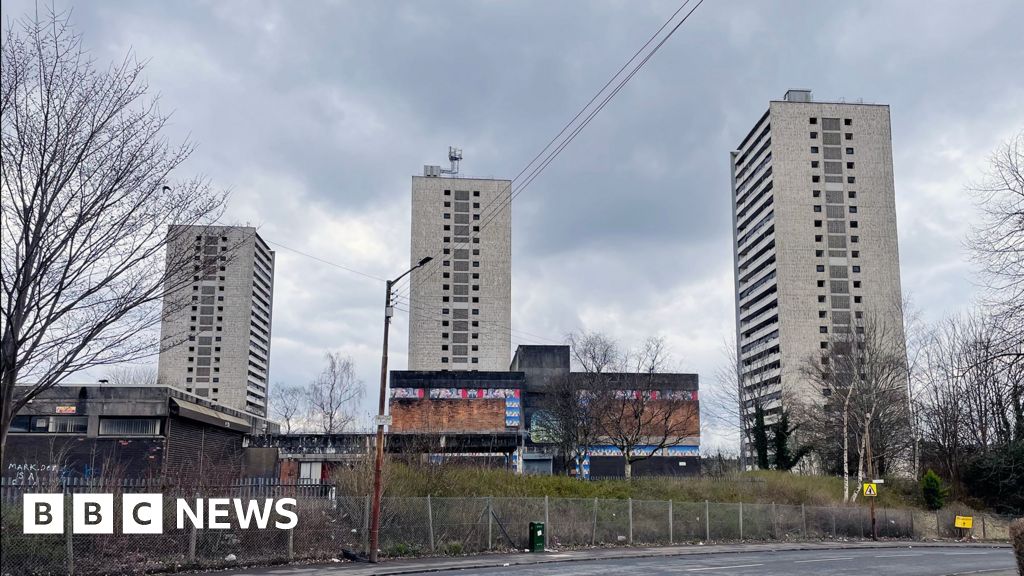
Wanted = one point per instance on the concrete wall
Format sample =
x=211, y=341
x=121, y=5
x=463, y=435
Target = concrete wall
x=427, y=292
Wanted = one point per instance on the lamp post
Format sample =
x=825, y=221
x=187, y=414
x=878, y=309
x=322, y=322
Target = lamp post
x=378, y=464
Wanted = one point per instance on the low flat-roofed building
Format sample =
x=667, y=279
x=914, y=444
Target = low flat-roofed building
x=100, y=430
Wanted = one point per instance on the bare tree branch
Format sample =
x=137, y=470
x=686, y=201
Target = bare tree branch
x=87, y=202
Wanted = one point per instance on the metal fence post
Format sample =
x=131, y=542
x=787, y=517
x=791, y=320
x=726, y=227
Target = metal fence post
x=630, y=520
x=366, y=526
x=69, y=534
x=938, y=527
x=192, y=536
x=430, y=522
x=833, y=523
x=490, y=521
x=671, y=540
x=803, y=519
x=593, y=534
x=741, y=520
x=547, y=525
x=291, y=544
x=775, y=523
x=707, y=521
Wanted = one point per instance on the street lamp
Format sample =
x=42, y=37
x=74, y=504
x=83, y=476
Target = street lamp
x=378, y=464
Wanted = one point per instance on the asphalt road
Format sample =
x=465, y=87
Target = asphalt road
x=883, y=562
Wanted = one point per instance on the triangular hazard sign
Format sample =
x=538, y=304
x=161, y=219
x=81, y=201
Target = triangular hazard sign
x=869, y=489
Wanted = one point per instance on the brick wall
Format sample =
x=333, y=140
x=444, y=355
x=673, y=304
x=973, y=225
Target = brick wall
x=425, y=415
x=679, y=418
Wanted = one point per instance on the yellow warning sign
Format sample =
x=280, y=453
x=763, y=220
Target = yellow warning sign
x=870, y=489
x=964, y=522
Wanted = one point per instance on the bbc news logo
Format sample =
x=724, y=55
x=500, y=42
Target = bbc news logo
x=144, y=513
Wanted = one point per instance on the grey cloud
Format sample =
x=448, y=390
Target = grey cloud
x=328, y=108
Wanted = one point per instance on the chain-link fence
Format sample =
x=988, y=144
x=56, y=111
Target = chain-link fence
x=331, y=525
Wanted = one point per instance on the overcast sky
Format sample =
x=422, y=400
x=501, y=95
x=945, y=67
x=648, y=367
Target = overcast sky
x=316, y=114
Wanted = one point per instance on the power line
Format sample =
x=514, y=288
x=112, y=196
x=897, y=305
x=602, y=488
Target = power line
x=328, y=262
x=558, y=149
x=397, y=298
x=498, y=323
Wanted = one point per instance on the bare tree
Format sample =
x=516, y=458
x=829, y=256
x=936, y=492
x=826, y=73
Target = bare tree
x=287, y=404
x=332, y=395
x=739, y=397
x=971, y=401
x=132, y=375
x=862, y=381
x=595, y=353
x=87, y=199
x=998, y=242
x=567, y=418
x=640, y=412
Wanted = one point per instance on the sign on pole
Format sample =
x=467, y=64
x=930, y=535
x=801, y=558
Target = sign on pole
x=870, y=489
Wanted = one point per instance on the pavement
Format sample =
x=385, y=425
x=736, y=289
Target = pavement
x=772, y=559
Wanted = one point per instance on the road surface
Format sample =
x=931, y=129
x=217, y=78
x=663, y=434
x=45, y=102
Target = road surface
x=892, y=562
x=718, y=560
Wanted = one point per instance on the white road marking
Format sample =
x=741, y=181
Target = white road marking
x=896, y=555
x=824, y=559
x=723, y=567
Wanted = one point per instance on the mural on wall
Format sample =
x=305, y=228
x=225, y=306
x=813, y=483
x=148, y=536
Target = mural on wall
x=690, y=395
x=647, y=450
x=455, y=393
x=511, y=396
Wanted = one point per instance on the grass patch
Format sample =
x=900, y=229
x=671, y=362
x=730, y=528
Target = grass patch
x=752, y=487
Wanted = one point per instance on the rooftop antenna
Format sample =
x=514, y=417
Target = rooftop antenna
x=454, y=156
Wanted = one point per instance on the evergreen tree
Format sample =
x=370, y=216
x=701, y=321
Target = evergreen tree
x=760, y=438
x=782, y=435
x=933, y=491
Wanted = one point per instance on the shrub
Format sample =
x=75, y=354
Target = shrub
x=932, y=490
x=1017, y=537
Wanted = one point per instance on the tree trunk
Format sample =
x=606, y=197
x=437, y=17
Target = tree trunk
x=629, y=468
x=860, y=471
x=846, y=449
x=7, y=410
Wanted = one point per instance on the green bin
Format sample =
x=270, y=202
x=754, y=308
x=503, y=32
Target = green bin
x=536, y=537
